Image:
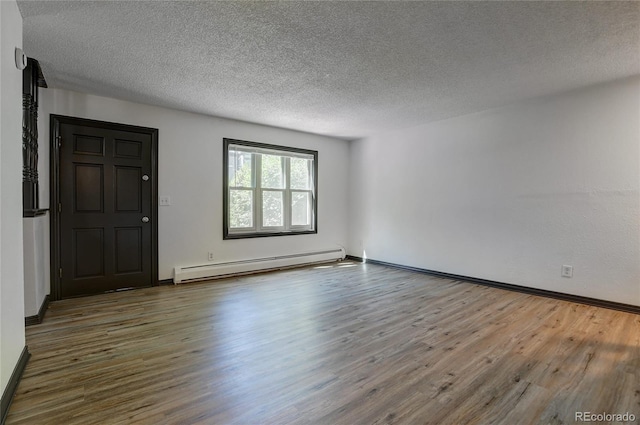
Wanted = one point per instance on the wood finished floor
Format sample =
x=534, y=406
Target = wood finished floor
x=339, y=344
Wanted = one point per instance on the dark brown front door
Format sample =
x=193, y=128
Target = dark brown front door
x=107, y=211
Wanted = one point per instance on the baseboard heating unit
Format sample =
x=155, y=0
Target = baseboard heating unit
x=213, y=270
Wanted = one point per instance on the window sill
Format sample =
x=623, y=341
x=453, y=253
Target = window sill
x=227, y=236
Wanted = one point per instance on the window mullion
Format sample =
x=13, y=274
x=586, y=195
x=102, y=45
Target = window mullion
x=257, y=184
x=311, y=183
x=313, y=206
x=286, y=207
x=311, y=210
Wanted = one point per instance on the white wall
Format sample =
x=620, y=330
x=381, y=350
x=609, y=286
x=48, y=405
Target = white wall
x=11, y=267
x=511, y=194
x=3, y=380
x=190, y=172
x=36, y=263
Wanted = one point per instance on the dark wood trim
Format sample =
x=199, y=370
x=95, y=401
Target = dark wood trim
x=54, y=188
x=154, y=206
x=225, y=186
x=42, y=82
x=268, y=234
x=34, y=213
x=30, y=99
x=38, y=318
x=54, y=200
x=165, y=282
x=354, y=258
x=508, y=286
x=225, y=193
x=12, y=385
x=261, y=145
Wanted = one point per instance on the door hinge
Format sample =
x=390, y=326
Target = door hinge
x=59, y=207
x=59, y=140
x=61, y=272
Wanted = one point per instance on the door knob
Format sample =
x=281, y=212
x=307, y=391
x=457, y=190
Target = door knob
x=145, y=219
x=145, y=177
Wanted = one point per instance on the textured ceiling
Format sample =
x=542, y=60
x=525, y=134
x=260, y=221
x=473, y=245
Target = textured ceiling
x=344, y=69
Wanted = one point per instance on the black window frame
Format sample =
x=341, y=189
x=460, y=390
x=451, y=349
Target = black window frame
x=225, y=190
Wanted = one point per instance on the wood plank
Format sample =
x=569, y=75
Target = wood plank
x=344, y=343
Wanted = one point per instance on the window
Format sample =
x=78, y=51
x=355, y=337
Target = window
x=268, y=190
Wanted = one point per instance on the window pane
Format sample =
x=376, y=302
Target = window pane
x=272, y=208
x=272, y=175
x=240, y=172
x=300, y=211
x=300, y=173
x=240, y=208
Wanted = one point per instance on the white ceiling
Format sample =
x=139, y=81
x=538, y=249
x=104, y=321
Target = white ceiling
x=344, y=69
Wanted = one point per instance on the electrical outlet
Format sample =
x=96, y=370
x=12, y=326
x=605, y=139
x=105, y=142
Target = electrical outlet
x=211, y=257
x=164, y=200
x=567, y=271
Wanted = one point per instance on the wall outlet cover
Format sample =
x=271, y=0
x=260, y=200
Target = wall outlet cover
x=567, y=271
